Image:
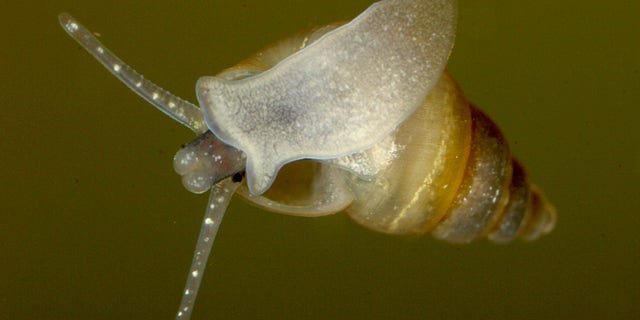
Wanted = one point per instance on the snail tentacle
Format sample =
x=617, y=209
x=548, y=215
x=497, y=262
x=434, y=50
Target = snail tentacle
x=219, y=200
x=178, y=109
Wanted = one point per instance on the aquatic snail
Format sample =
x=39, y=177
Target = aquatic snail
x=361, y=118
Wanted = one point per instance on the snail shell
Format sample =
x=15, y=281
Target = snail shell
x=446, y=170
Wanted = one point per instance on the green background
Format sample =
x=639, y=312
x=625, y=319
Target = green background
x=94, y=224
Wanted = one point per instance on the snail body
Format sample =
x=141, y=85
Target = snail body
x=446, y=170
x=361, y=118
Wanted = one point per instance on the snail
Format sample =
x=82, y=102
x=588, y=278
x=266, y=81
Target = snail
x=359, y=117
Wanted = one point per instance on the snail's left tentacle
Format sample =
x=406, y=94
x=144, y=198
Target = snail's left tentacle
x=175, y=107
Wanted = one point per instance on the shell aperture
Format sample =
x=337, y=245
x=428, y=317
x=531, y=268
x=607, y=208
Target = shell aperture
x=340, y=95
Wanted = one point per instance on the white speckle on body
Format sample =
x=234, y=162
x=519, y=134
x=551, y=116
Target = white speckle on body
x=187, y=292
x=138, y=85
x=172, y=105
x=100, y=50
x=116, y=67
x=72, y=26
x=155, y=96
x=194, y=273
x=208, y=221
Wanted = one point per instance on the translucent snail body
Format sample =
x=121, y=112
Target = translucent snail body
x=359, y=117
x=446, y=170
